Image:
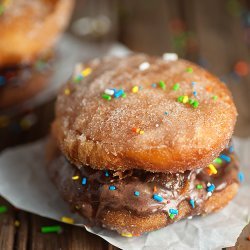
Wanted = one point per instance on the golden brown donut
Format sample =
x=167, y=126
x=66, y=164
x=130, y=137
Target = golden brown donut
x=22, y=82
x=130, y=207
x=175, y=117
x=29, y=28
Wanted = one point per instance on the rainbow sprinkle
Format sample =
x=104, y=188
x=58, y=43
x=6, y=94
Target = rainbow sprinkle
x=210, y=187
x=84, y=181
x=157, y=197
x=225, y=158
x=199, y=186
x=173, y=211
x=162, y=85
x=112, y=188
x=192, y=203
x=189, y=70
x=185, y=99
x=67, y=220
x=127, y=235
x=241, y=176
x=3, y=209
x=51, y=229
x=217, y=160
x=136, y=193
x=212, y=169
x=138, y=131
x=135, y=89
x=143, y=66
x=106, y=97
x=176, y=86
x=67, y=91
x=76, y=177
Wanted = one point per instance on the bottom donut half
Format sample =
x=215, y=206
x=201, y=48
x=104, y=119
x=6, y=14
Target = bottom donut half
x=136, y=201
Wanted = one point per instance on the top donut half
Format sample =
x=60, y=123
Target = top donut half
x=175, y=116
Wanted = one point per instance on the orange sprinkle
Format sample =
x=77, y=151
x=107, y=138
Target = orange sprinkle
x=155, y=189
x=209, y=172
x=241, y=68
x=209, y=88
x=134, y=130
x=248, y=238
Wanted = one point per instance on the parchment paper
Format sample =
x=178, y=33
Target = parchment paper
x=24, y=183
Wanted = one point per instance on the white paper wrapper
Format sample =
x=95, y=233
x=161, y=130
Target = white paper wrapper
x=24, y=183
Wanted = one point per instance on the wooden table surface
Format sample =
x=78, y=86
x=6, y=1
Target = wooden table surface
x=213, y=33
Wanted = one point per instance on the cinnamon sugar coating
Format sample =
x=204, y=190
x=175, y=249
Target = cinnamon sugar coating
x=176, y=136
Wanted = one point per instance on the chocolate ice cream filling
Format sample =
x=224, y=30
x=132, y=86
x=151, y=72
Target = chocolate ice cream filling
x=91, y=192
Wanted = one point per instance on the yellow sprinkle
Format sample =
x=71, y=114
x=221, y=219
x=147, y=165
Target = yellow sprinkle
x=76, y=177
x=185, y=99
x=67, y=220
x=135, y=89
x=86, y=72
x=141, y=132
x=126, y=235
x=67, y=91
x=212, y=168
x=4, y=121
x=137, y=130
x=17, y=223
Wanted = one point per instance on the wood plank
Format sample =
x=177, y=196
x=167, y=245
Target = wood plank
x=221, y=43
x=22, y=231
x=7, y=227
x=72, y=238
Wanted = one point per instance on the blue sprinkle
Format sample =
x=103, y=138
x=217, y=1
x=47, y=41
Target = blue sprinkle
x=112, y=188
x=231, y=149
x=173, y=211
x=195, y=93
x=211, y=188
x=192, y=203
x=118, y=93
x=2, y=80
x=225, y=158
x=241, y=176
x=136, y=193
x=157, y=197
x=106, y=173
x=154, y=85
x=140, y=87
x=166, y=113
x=84, y=181
x=193, y=83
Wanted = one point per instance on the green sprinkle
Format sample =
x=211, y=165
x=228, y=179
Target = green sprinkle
x=51, y=229
x=3, y=209
x=217, y=160
x=77, y=79
x=176, y=86
x=199, y=186
x=171, y=216
x=215, y=97
x=124, y=95
x=180, y=98
x=195, y=104
x=162, y=85
x=189, y=70
x=106, y=97
x=191, y=101
x=1, y=9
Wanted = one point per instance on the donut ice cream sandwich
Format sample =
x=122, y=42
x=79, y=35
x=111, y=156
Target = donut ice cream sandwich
x=141, y=142
x=29, y=29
